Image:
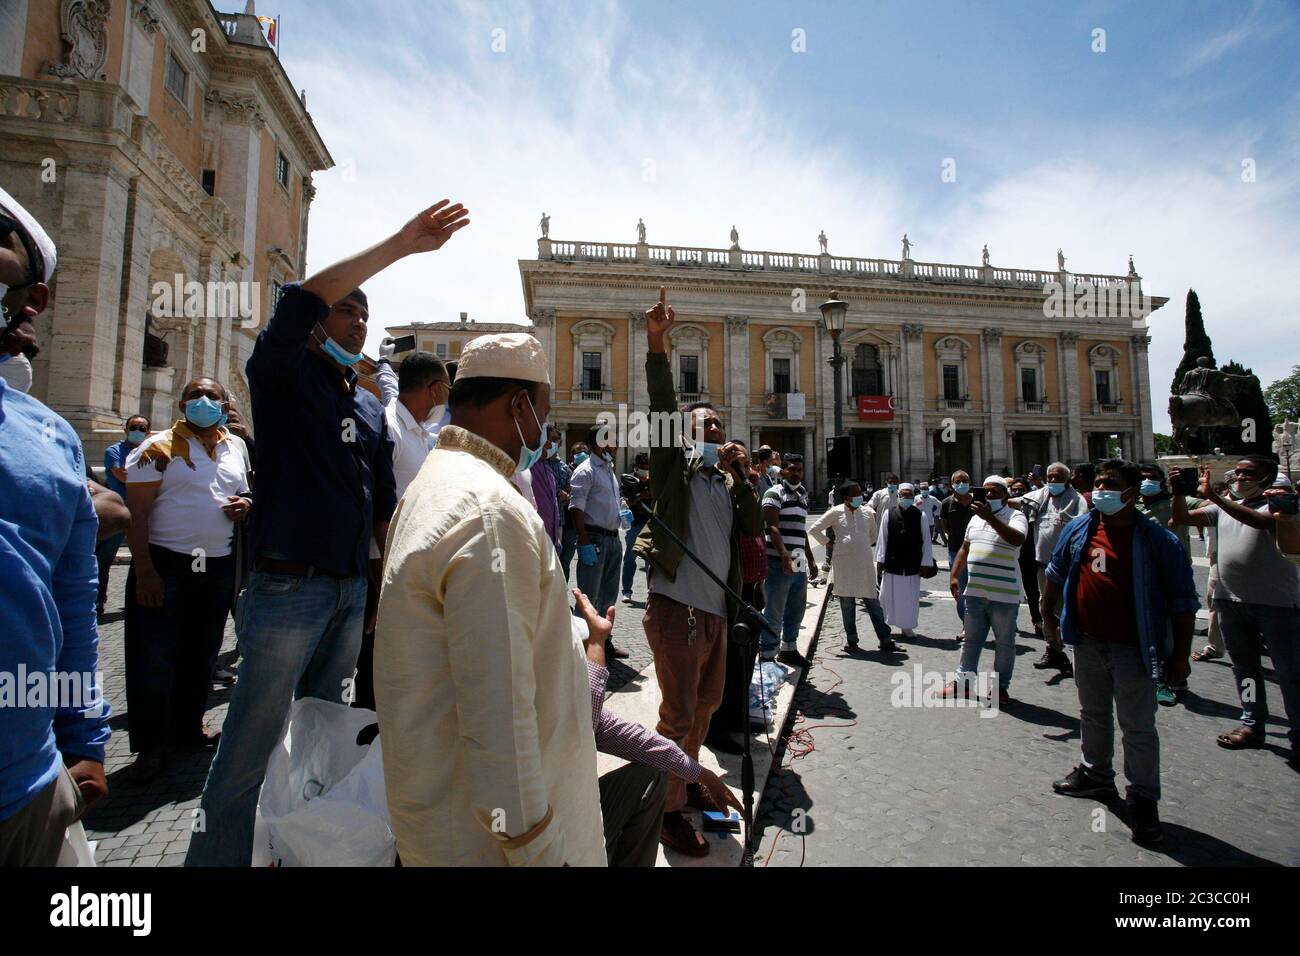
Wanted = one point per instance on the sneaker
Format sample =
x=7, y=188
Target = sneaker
x=889, y=647
x=1080, y=783
x=627, y=597
x=850, y=644
x=1165, y=694
x=1144, y=821
x=793, y=659
x=678, y=834
x=1057, y=658
x=223, y=675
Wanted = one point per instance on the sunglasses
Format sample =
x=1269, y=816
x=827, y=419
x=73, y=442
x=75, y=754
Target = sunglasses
x=9, y=226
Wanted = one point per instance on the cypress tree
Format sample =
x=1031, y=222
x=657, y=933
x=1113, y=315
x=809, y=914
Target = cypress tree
x=1195, y=340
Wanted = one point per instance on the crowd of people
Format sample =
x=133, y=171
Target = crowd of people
x=413, y=554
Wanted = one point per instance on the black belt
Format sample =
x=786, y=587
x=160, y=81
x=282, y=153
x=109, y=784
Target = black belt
x=602, y=531
x=297, y=568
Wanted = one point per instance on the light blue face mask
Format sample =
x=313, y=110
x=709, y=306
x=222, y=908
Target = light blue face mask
x=708, y=452
x=856, y=501
x=996, y=505
x=202, y=412
x=1056, y=487
x=529, y=456
x=1108, y=502
x=135, y=436
x=1150, y=487
x=962, y=487
x=893, y=488
x=905, y=503
x=337, y=352
x=579, y=458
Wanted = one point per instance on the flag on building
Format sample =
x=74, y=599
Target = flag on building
x=271, y=28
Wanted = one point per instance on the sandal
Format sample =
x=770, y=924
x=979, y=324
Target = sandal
x=1241, y=739
x=1207, y=653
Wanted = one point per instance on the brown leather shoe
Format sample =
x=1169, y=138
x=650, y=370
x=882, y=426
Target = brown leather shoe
x=679, y=835
x=699, y=799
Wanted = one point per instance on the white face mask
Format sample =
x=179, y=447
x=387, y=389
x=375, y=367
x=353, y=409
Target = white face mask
x=435, y=415
x=17, y=372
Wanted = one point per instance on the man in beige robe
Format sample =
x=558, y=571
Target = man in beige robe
x=485, y=711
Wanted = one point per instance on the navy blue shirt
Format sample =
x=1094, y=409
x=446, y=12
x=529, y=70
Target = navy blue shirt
x=325, y=458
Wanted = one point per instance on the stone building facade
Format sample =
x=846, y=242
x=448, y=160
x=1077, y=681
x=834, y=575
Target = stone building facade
x=153, y=139
x=946, y=365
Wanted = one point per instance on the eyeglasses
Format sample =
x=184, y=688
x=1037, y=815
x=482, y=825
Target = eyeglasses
x=8, y=227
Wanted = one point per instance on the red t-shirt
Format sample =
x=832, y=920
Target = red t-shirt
x=1104, y=597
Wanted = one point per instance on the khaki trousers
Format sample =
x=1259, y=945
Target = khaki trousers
x=692, y=673
x=34, y=835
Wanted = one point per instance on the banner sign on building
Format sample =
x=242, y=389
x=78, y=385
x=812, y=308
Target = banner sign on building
x=876, y=408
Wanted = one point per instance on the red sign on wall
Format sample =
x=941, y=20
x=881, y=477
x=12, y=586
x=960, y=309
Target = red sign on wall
x=876, y=408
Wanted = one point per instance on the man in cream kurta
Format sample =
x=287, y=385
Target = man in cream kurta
x=853, y=563
x=485, y=712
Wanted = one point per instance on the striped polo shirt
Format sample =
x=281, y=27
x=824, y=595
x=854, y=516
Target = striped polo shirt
x=793, y=522
x=992, y=564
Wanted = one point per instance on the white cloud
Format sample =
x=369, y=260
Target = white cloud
x=569, y=129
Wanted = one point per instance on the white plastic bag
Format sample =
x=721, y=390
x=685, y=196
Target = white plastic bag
x=77, y=850
x=323, y=800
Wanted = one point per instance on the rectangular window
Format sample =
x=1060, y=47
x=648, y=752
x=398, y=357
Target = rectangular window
x=282, y=169
x=1029, y=384
x=177, y=80
x=951, y=383
x=591, y=372
x=210, y=181
x=440, y=350
x=690, y=366
x=781, y=376
x=1103, y=387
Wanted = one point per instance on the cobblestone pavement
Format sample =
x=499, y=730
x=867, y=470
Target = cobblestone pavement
x=150, y=826
x=903, y=786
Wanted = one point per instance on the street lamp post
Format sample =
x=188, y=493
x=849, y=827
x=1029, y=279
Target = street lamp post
x=834, y=312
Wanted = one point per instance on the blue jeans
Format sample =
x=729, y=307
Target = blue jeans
x=981, y=616
x=961, y=601
x=600, y=580
x=568, y=548
x=1250, y=630
x=786, y=596
x=299, y=637
x=629, y=556
x=874, y=611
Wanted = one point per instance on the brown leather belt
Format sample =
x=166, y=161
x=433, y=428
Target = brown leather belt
x=297, y=568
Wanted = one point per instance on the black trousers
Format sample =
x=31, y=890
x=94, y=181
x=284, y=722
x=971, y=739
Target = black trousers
x=632, y=804
x=171, y=651
x=1029, y=575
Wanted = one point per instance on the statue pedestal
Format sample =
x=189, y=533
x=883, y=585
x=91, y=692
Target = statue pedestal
x=1217, y=464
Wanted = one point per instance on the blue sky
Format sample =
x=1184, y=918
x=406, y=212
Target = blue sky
x=698, y=115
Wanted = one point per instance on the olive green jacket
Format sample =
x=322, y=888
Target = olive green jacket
x=670, y=476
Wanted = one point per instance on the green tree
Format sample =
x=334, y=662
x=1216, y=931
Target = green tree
x=1196, y=341
x=1252, y=407
x=1283, y=397
x=1165, y=445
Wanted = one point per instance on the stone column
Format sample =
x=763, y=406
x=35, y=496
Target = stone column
x=810, y=462
x=916, y=455
x=895, y=452
x=1142, y=396
x=999, y=450
x=734, y=392
x=83, y=322
x=135, y=298
x=1067, y=345
x=1053, y=446
x=978, y=471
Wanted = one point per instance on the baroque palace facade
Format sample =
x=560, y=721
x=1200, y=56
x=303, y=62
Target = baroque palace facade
x=153, y=139
x=946, y=366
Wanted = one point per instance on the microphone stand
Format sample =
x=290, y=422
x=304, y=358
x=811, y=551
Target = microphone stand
x=742, y=634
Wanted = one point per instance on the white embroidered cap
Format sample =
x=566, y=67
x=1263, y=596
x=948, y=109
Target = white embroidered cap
x=504, y=355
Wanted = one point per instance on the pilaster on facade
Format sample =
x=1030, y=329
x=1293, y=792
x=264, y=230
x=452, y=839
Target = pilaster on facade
x=1068, y=362
x=991, y=340
x=1138, y=359
x=736, y=386
x=917, y=450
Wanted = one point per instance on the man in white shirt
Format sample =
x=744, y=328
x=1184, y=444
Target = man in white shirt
x=415, y=398
x=1057, y=504
x=185, y=486
x=853, y=563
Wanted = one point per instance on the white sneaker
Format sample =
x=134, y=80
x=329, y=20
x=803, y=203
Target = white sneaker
x=908, y=632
